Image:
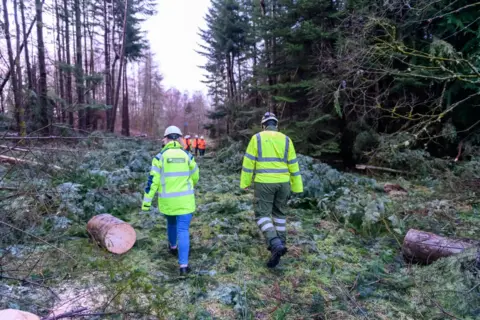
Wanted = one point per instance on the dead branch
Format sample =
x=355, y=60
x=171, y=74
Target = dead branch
x=33, y=284
x=13, y=160
x=368, y=167
x=39, y=239
x=70, y=314
x=13, y=148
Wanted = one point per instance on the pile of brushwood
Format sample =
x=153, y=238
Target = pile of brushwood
x=345, y=237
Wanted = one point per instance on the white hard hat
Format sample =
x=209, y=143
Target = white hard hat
x=196, y=136
x=269, y=116
x=172, y=130
x=187, y=137
x=201, y=137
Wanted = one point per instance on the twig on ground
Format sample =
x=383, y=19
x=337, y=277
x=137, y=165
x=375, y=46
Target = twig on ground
x=33, y=284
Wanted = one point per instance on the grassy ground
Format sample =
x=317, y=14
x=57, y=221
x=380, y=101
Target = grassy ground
x=344, y=259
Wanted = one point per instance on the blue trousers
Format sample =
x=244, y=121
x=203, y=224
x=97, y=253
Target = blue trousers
x=177, y=230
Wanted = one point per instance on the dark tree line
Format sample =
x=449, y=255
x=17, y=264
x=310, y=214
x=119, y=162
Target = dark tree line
x=347, y=77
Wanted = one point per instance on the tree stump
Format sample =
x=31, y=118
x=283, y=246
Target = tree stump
x=112, y=233
x=12, y=314
x=425, y=247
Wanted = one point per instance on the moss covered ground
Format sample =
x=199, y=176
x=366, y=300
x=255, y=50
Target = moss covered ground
x=344, y=259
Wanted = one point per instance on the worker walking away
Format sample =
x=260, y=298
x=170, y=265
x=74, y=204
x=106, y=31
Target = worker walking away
x=195, y=145
x=271, y=158
x=173, y=175
x=202, y=145
x=188, y=142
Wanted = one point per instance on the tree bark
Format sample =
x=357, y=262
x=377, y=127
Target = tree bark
x=25, y=43
x=122, y=56
x=68, y=74
x=42, y=81
x=112, y=233
x=59, y=61
x=16, y=94
x=108, y=81
x=425, y=247
x=88, y=110
x=125, y=111
x=79, y=67
x=7, y=76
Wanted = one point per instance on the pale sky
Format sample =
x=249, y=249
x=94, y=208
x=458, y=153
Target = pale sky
x=174, y=39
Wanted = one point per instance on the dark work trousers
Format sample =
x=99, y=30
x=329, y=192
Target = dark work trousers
x=202, y=152
x=270, y=205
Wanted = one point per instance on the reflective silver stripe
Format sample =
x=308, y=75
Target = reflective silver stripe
x=280, y=220
x=267, y=226
x=249, y=156
x=259, y=145
x=271, y=171
x=295, y=174
x=271, y=160
x=177, y=174
x=280, y=228
x=194, y=170
x=293, y=161
x=156, y=169
x=147, y=199
x=176, y=194
x=247, y=170
x=262, y=220
x=287, y=146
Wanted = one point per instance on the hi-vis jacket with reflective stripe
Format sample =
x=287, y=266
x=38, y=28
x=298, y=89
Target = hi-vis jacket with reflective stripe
x=174, y=173
x=271, y=157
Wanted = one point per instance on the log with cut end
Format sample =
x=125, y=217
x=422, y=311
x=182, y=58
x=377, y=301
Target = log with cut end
x=12, y=314
x=425, y=247
x=112, y=233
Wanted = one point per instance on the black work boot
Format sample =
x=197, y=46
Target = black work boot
x=184, y=271
x=278, y=250
x=173, y=251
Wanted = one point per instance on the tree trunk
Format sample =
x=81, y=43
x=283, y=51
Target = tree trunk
x=16, y=94
x=79, y=67
x=68, y=74
x=13, y=314
x=425, y=247
x=25, y=42
x=112, y=233
x=122, y=55
x=18, y=54
x=88, y=110
x=108, y=81
x=125, y=111
x=42, y=81
x=59, y=61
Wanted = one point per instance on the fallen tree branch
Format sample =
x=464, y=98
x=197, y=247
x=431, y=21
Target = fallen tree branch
x=39, y=239
x=13, y=160
x=368, y=167
x=69, y=314
x=13, y=148
x=33, y=284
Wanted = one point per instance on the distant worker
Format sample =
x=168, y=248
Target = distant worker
x=195, y=145
x=271, y=157
x=173, y=175
x=202, y=145
x=188, y=142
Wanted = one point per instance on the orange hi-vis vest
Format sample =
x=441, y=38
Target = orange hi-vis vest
x=202, y=144
x=187, y=143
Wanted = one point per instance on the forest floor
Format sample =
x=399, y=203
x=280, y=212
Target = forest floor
x=345, y=235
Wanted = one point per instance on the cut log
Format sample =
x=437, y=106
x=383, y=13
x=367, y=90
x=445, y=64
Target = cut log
x=12, y=314
x=112, y=233
x=425, y=247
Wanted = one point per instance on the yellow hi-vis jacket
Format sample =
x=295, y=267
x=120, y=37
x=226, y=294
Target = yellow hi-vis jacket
x=174, y=173
x=271, y=157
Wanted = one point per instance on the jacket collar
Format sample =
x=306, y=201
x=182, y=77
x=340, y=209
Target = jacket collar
x=271, y=128
x=172, y=145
